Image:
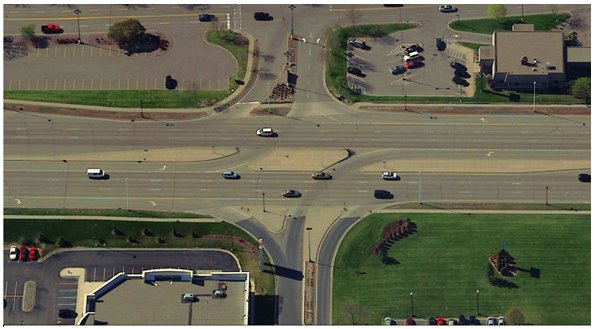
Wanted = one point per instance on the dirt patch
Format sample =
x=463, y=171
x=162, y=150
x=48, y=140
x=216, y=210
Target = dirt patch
x=106, y=114
x=274, y=111
x=479, y=109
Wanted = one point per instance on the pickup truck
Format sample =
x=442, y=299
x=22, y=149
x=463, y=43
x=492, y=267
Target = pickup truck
x=51, y=28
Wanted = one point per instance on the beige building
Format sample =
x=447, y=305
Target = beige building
x=523, y=59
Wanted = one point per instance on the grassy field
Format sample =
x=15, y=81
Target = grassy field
x=124, y=98
x=82, y=233
x=444, y=263
x=544, y=22
x=100, y=212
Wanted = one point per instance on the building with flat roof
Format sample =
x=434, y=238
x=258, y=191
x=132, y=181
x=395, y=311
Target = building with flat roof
x=170, y=297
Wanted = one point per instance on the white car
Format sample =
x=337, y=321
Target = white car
x=389, y=175
x=228, y=174
x=500, y=320
x=447, y=8
x=265, y=132
x=14, y=253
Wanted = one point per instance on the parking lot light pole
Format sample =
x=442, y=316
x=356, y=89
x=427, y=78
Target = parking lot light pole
x=292, y=7
x=78, y=22
x=477, y=304
x=263, y=209
x=411, y=295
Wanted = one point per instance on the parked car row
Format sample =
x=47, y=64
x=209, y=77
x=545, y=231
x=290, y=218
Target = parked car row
x=472, y=320
x=460, y=74
x=23, y=254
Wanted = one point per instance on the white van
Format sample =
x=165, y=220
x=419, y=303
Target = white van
x=97, y=174
x=412, y=55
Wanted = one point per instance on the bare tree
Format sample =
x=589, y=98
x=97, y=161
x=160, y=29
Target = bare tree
x=217, y=25
x=356, y=313
x=554, y=9
x=354, y=15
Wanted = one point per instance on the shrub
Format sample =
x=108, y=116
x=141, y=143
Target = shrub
x=514, y=316
x=131, y=239
x=40, y=238
x=159, y=240
x=62, y=243
x=24, y=241
x=116, y=231
x=147, y=232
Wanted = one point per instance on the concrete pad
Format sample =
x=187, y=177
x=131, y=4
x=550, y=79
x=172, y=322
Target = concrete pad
x=293, y=159
x=474, y=164
x=188, y=154
x=29, y=294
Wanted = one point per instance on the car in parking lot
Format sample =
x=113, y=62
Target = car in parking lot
x=206, y=17
x=389, y=175
x=463, y=74
x=585, y=178
x=473, y=320
x=229, y=174
x=414, y=64
x=460, y=81
x=431, y=321
x=412, y=56
x=291, y=194
x=415, y=47
x=399, y=69
x=491, y=321
x=13, y=253
x=265, y=132
x=440, y=321
x=67, y=313
x=355, y=71
x=440, y=44
x=501, y=320
x=23, y=253
x=321, y=175
x=262, y=16
x=458, y=66
x=383, y=194
x=33, y=254
x=447, y=9
x=358, y=44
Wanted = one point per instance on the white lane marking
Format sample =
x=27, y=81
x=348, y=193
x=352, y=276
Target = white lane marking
x=412, y=182
x=164, y=166
x=318, y=40
x=155, y=180
x=18, y=201
x=155, y=189
x=490, y=154
x=362, y=182
x=153, y=203
x=362, y=191
x=516, y=183
x=483, y=120
x=205, y=189
x=465, y=192
x=84, y=25
x=163, y=23
x=22, y=128
x=20, y=137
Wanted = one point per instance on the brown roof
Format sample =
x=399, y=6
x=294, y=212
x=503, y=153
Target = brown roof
x=545, y=47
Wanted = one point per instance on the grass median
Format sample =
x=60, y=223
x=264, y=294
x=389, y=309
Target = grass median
x=237, y=45
x=444, y=262
x=543, y=22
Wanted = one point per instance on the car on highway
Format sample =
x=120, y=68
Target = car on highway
x=96, y=173
x=447, y=9
x=463, y=74
x=229, y=174
x=458, y=66
x=440, y=44
x=399, y=69
x=67, y=313
x=33, y=254
x=355, y=71
x=383, y=194
x=23, y=253
x=390, y=175
x=291, y=194
x=266, y=132
x=51, y=29
x=460, y=81
x=206, y=17
x=585, y=178
x=414, y=48
x=262, y=16
x=13, y=253
x=321, y=175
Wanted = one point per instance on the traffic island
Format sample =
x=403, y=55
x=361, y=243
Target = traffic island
x=291, y=159
x=29, y=293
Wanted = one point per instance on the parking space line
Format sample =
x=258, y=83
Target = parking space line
x=146, y=83
x=136, y=83
x=123, y=269
x=56, y=52
x=113, y=272
x=15, y=293
x=82, y=84
x=92, y=83
x=110, y=85
x=19, y=85
x=64, y=52
x=46, y=84
x=28, y=82
x=155, y=83
x=104, y=274
x=55, y=84
x=6, y=288
x=37, y=85
x=100, y=49
x=100, y=84
x=9, y=84
x=64, y=85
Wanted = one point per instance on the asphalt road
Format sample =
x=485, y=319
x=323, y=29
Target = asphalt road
x=54, y=292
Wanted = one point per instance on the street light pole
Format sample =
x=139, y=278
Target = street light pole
x=546, y=201
x=78, y=22
x=411, y=295
x=127, y=203
x=534, y=83
x=96, y=236
x=292, y=7
x=309, y=229
x=419, y=186
x=477, y=304
x=263, y=209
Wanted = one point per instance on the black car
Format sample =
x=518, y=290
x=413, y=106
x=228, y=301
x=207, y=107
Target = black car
x=206, y=17
x=262, y=16
x=399, y=69
x=67, y=313
x=460, y=81
x=291, y=194
x=432, y=322
x=321, y=175
x=473, y=321
x=359, y=44
x=462, y=73
x=383, y=194
x=458, y=66
x=413, y=48
x=355, y=71
x=585, y=178
x=440, y=44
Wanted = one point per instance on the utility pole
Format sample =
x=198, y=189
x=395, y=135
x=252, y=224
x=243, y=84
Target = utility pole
x=419, y=186
x=77, y=12
x=292, y=7
x=127, y=203
x=309, y=229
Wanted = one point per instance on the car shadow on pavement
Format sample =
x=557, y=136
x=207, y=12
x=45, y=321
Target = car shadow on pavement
x=284, y=272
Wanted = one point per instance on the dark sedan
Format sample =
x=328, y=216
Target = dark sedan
x=585, y=178
x=460, y=81
x=321, y=175
x=463, y=74
x=458, y=66
x=292, y=194
x=206, y=17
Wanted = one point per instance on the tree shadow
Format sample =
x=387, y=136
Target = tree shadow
x=265, y=75
x=135, y=6
x=533, y=272
x=40, y=42
x=15, y=50
x=146, y=44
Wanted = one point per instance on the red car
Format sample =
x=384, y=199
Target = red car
x=413, y=64
x=23, y=253
x=440, y=321
x=33, y=253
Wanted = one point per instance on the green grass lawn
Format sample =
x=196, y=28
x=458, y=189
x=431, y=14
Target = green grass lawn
x=444, y=263
x=543, y=22
x=237, y=45
x=100, y=212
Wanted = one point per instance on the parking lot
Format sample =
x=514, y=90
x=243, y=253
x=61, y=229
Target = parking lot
x=55, y=292
x=431, y=78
